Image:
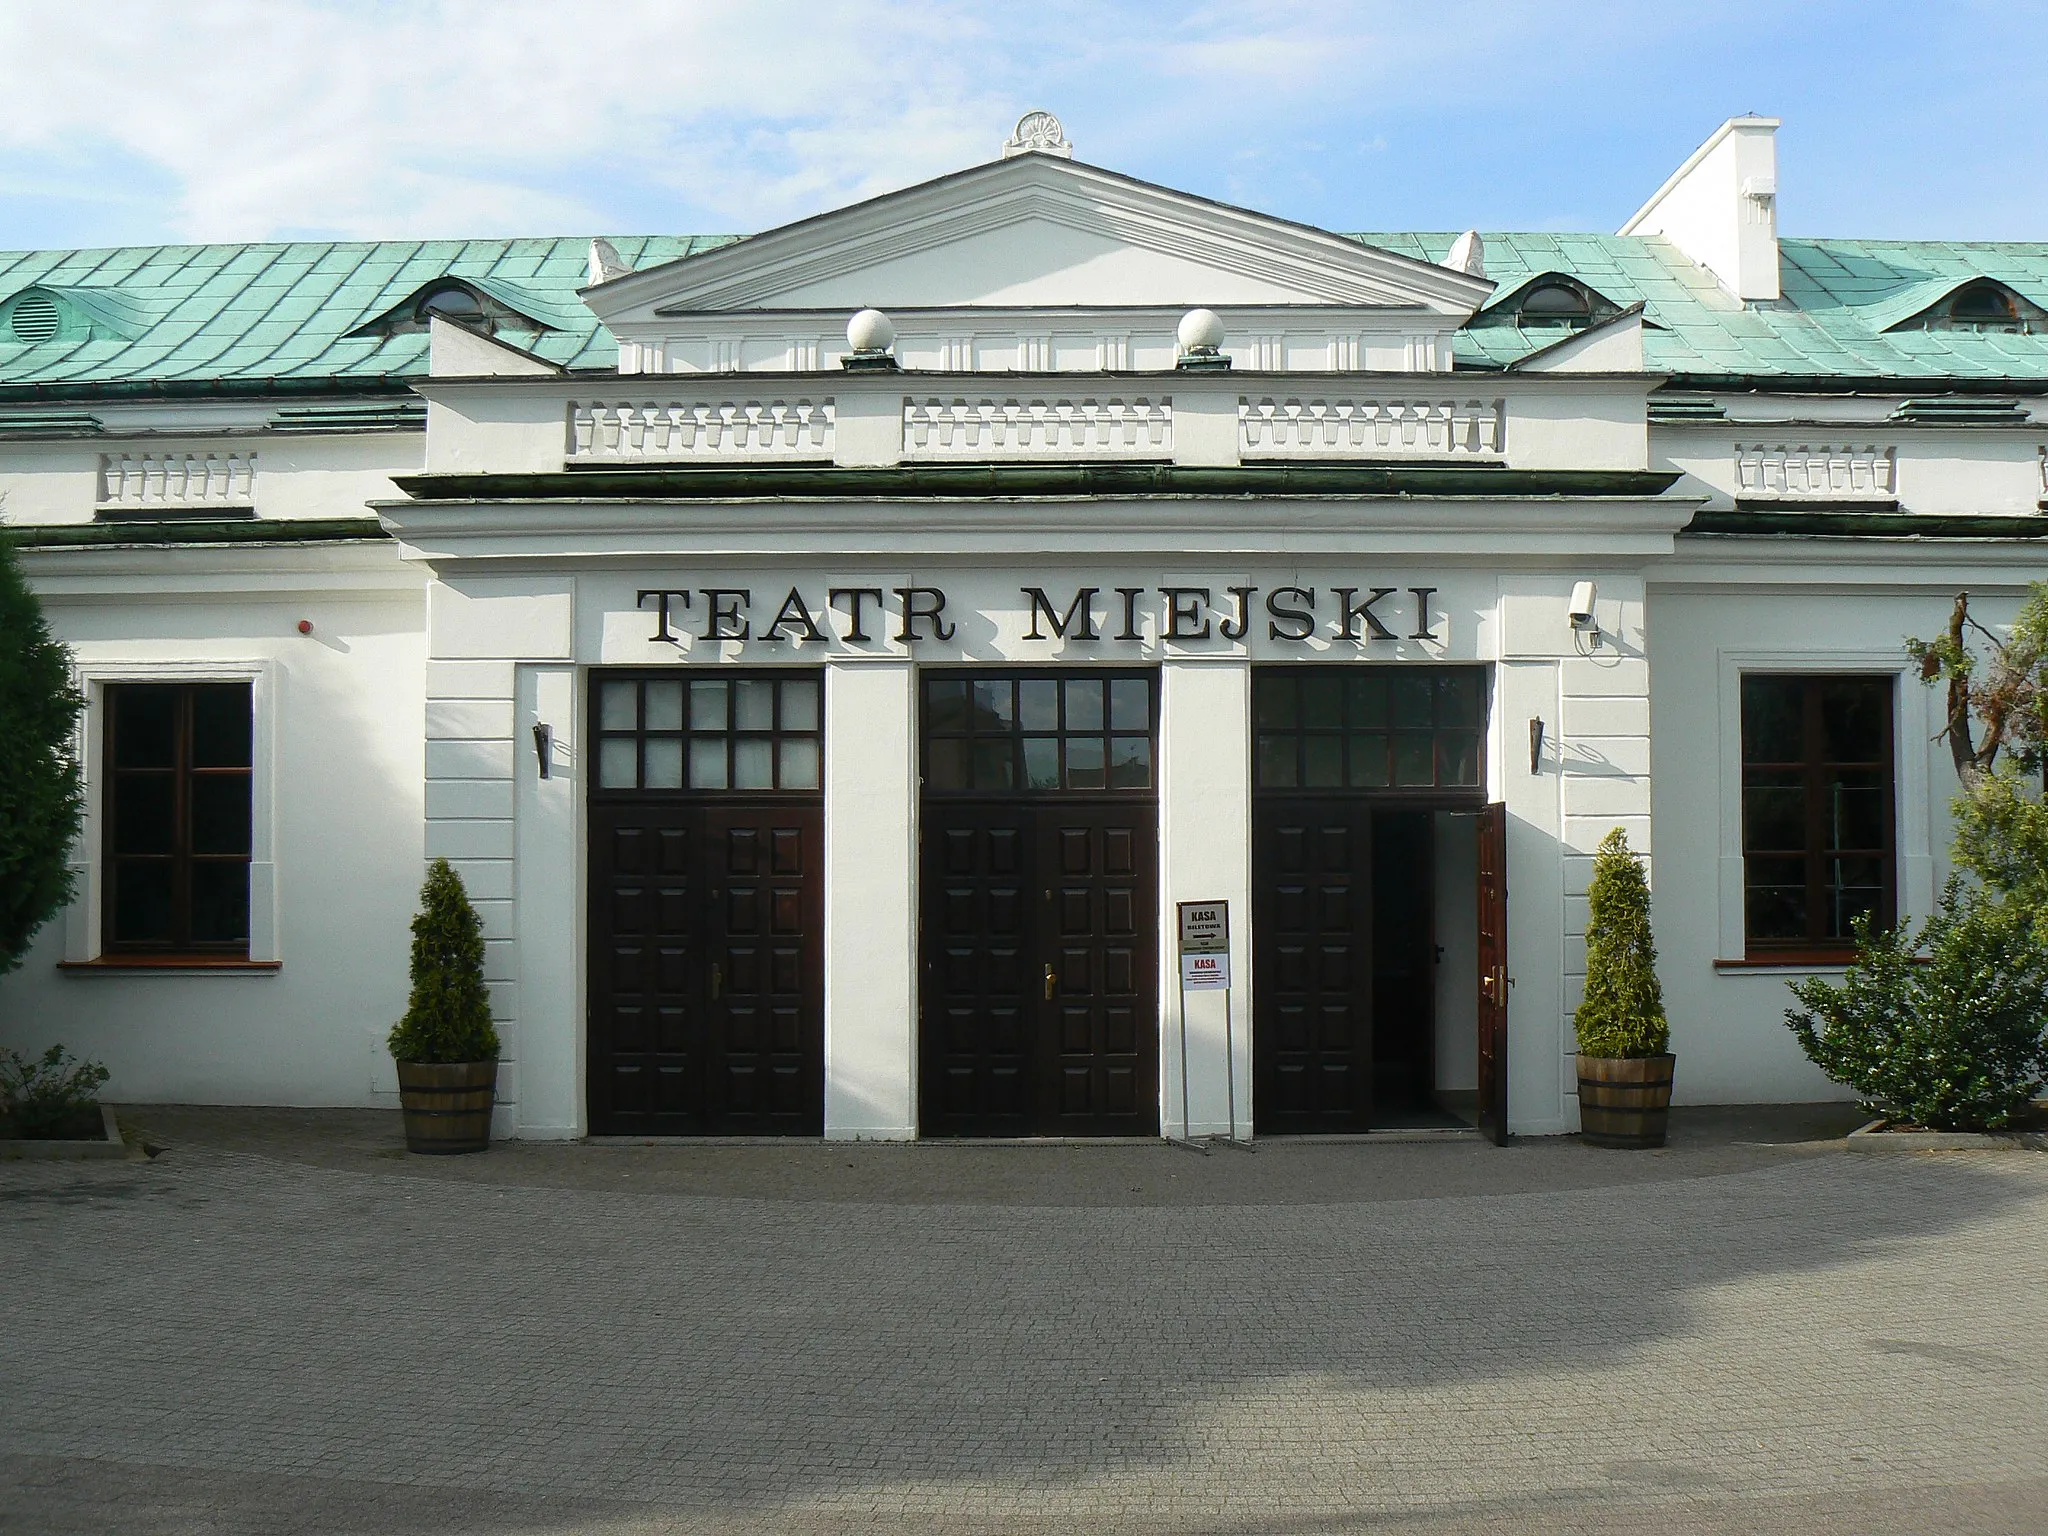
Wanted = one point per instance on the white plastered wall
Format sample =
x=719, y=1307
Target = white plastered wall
x=337, y=842
x=1205, y=855
x=1591, y=776
x=1727, y=1025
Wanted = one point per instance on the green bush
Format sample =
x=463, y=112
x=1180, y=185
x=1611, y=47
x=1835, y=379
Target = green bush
x=1952, y=1040
x=1623, y=1011
x=37, y=1098
x=41, y=799
x=448, y=1017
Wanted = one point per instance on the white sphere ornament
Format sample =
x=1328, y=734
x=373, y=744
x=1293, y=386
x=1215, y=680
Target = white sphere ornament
x=1201, y=330
x=871, y=331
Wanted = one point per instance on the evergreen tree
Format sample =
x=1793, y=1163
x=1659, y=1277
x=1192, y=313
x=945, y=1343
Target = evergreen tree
x=1623, y=1012
x=42, y=799
x=448, y=1017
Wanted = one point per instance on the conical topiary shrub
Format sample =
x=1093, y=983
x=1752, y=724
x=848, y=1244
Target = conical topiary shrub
x=1624, y=1069
x=448, y=1017
x=1623, y=1012
x=445, y=1046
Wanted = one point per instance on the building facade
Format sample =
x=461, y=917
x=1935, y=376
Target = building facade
x=833, y=658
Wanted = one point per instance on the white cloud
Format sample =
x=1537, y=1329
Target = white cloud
x=236, y=119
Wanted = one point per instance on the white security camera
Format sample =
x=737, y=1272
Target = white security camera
x=1581, y=614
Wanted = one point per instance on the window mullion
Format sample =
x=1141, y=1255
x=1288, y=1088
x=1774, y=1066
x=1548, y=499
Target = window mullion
x=1813, y=776
x=181, y=821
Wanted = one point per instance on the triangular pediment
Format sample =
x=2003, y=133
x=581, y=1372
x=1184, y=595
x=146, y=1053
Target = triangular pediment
x=1036, y=231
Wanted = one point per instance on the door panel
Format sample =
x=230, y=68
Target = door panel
x=1106, y=992
x=1312, y=922
x=1040, y=990
x=1493, y=973
x=706, y=987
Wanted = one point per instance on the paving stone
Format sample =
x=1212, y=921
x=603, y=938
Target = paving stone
x=263, y=1330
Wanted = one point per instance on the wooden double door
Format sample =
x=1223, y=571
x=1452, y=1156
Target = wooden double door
x=1345, y=956
x=1040, y=969
x=706, y=1006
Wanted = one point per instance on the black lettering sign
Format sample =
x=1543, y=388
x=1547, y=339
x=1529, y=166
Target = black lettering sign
x=1301, y=621
x=661, y=611
x=1349, y=613
x=1184, y=608
x=1078, y=611
x=1423, y=631
x=724, y=612
x=1234, y=629
x=933, y=609
x=832, y=596
x=1130, y=595
x=793, y=612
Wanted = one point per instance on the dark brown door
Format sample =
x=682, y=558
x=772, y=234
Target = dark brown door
x=1040, y=986
x=706, y=992
x=706, y=931
x=1312, y=923
x=1493, y=973
x=1040, y=896
x=1099, y=901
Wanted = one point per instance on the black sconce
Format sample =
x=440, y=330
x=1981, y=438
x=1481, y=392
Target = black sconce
x=1535, y=746
x=544, y=749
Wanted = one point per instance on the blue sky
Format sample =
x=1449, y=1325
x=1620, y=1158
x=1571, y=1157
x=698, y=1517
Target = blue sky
x=138, y=121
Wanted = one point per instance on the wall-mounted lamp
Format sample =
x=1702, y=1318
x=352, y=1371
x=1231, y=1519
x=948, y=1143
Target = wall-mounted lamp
x=1581, y=614
x=544, y=749
x=1535, y=746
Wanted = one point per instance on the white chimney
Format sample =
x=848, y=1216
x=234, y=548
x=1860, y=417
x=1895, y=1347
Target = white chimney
x=1721, y=207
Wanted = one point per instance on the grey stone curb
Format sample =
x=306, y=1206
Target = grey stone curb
x=1878, y=1136
x=109, y=1146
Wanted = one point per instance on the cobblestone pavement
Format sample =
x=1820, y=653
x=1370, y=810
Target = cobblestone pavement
x=281, y=1326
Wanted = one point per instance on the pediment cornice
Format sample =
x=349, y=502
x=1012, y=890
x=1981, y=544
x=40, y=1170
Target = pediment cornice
x=1308, y=264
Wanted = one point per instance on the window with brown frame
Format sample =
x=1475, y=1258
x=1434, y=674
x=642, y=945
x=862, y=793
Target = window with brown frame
x=708, y=733
x=1384, y=728
x=178, y=780
x=1817, y=820
x=1039, y=731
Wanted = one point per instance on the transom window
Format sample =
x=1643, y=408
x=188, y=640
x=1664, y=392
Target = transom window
x=1392, y=727
x=731, y=731
x=178, y=782
x=1039, y=732
x=1817, y=845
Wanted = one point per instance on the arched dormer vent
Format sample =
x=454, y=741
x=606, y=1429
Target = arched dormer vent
x=1978, y=304
x=489, y=305
x=1549, y=300
x=43, y=312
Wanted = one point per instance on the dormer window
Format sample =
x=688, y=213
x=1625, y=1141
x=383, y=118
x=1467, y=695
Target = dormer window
x=452, y=302
x=1554, y=303
x=1549, y=300
x=483, y=304
x=1981, y=304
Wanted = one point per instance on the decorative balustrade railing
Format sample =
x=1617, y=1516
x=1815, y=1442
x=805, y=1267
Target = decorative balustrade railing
x=605, y=431
x=1281, y=428
x=1777, y=470
x=1029, y=428
x=176, y=482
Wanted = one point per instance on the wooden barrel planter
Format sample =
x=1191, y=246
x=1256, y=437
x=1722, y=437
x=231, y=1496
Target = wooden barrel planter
x=447, y=1105
x=1625, y=1101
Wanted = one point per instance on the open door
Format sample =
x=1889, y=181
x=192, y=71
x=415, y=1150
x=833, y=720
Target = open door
x=1493, y=973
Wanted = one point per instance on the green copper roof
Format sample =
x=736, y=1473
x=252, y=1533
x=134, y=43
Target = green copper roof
x=1840, y=298
x=284, y=311
x=280, y=315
